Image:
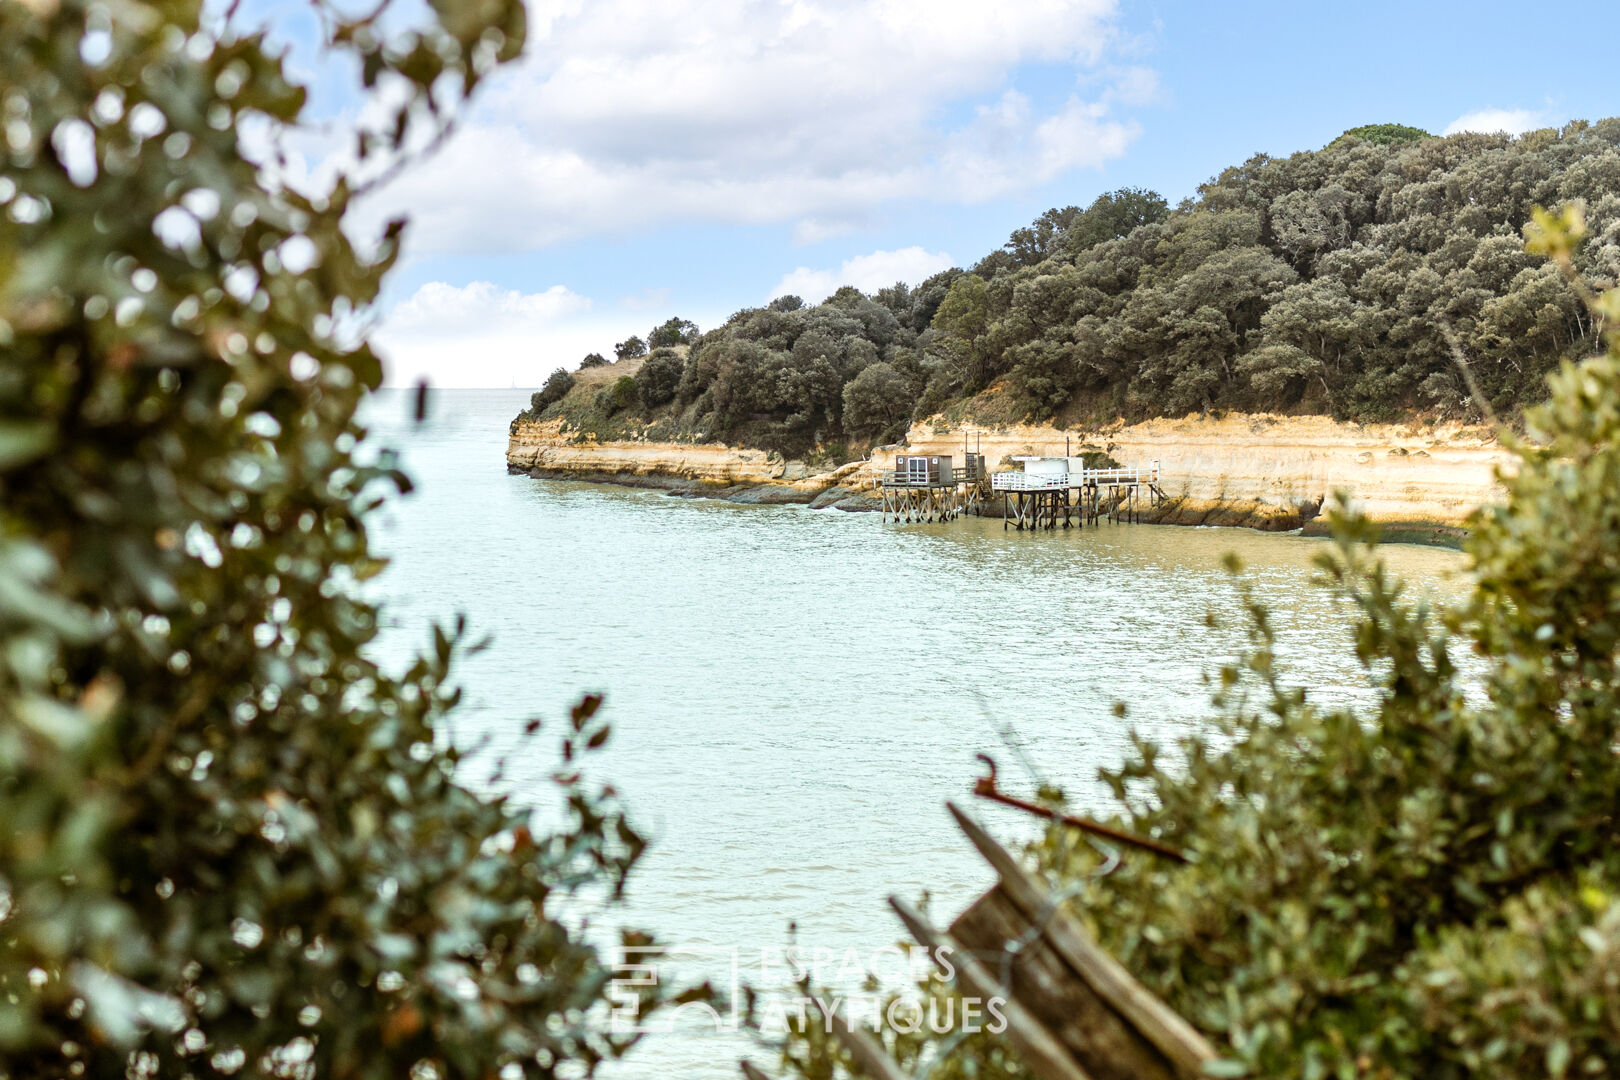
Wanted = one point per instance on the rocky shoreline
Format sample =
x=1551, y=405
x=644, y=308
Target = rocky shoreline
x=1420, y=482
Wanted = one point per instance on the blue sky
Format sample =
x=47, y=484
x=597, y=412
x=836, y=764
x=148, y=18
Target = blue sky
x=693, y=157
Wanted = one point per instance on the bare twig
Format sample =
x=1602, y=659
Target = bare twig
x=1460, y=358
x=985, y=788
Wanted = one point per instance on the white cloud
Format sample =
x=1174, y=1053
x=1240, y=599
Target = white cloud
x=441, y=310
x=628, y=114
x=647, y=299
x=866, y=272
x=1491, y=121
x=808, y=231
x=1137, y=85
x=482, y=335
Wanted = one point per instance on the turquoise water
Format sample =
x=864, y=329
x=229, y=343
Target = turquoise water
x=796, y=693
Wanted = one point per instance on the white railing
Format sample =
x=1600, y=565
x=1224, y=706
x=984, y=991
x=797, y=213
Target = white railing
x=1023, y=481
x=1121, y=476
x=909, y=478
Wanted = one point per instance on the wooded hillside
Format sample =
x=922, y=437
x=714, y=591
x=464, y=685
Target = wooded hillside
x=1334, y=281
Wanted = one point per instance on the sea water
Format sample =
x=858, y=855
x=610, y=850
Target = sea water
x=795, y=693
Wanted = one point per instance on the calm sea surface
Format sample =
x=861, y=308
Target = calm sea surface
x=796, y=693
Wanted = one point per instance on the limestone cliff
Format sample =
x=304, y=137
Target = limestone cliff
x=1258, y=470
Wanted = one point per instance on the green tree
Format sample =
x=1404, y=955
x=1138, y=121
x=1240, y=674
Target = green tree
x=553, y=390
x=877, y=403
x=674, y=331
x=234, y=844
x=591, y=360
x=1038, y=240
x=1113, y=216
x=659, y=377
x=962, y=319
x=630, y=348
x=1383, y=134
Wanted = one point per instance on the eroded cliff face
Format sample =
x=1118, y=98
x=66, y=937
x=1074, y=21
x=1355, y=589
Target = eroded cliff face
x=1275, y=467
x=1264, y=471
x=545, y=447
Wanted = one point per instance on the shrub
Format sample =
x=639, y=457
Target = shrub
x=622, y=394
x=591, y=360
x=555, y=388
x=659, y=377
x=630, y=348
x=232, y=842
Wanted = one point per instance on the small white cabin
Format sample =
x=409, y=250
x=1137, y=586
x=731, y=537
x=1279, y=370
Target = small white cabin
x=1045, y=466
x=923, y=469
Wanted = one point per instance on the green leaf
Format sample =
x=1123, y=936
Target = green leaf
x=22, y=441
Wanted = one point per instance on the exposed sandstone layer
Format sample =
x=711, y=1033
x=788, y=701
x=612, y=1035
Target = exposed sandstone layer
x=543, y=449
x=1254, y=470
x=1274, y=472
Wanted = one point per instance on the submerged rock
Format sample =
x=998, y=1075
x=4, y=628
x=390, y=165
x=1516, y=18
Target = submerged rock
x=847, y=499
x=767, y=495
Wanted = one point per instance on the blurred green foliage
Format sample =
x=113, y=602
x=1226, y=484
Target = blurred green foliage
x=232, y=843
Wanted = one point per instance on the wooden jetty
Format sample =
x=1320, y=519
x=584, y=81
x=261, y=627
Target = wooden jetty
x=930, y=487
x=1060, y=490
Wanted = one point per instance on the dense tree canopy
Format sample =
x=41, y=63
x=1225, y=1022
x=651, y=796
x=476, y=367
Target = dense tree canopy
x=1345, y=281
x=659, y=377
x=1325, y=282
x=233, y=843
x=775, y=376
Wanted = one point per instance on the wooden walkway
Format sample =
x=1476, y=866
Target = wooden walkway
x=1045, y=500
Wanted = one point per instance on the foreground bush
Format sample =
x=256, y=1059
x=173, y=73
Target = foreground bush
x=233, y=844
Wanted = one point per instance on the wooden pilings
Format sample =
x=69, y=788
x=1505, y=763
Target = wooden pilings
x=1082, y=504
x=929, y=502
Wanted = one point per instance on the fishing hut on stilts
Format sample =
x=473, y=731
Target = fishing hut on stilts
x=932, y=487
x=1053, y=491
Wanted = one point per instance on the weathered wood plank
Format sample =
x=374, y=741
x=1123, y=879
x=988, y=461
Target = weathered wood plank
x=1105, y=1045
x=868, y=1053
x=1173, y=1036
x=1041, y=1051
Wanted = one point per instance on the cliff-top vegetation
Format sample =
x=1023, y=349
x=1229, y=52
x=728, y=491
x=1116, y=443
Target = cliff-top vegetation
x=1343, y=281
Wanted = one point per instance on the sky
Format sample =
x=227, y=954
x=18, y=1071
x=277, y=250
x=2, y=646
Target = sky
x=653, y=158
